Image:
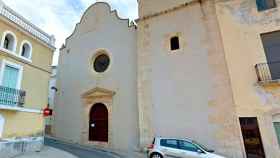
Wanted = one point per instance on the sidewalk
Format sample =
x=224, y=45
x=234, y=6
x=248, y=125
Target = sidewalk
x=137, y=155
x=48, y=152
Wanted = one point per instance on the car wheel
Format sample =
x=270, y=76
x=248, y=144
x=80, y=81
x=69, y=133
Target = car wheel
x=156, y=155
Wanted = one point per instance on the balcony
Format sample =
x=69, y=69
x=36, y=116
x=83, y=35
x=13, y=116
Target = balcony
x=268, y=72
x=11, y=97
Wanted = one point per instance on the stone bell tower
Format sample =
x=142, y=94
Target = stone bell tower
x=183, y=82
x=151, y=13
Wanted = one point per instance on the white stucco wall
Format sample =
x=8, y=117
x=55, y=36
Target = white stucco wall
x=52, y=93
x=99, y=29
x=2, y=123
x=179, y=87
x=52, y=83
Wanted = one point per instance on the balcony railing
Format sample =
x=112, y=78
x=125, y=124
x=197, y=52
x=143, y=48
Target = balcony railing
x=11, y=97
x=268, y=71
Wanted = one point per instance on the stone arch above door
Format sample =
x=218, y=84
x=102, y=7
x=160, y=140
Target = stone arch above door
x=2, y=124
x=89, y=99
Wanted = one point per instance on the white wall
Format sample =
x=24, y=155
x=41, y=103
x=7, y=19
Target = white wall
x=52, y=83
x=99, y=29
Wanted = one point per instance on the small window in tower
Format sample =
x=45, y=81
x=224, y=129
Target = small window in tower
x=174, y=43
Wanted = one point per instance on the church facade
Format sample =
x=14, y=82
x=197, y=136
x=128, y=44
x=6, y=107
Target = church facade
x=189, y=68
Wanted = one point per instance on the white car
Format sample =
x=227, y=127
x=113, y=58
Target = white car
x=179, y=148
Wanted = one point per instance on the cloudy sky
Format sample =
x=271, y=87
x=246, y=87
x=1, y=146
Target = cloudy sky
x=59, y=17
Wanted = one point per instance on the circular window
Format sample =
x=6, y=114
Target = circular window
x=101, y=63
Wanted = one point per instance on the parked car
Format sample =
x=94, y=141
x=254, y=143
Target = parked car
x=179, y=148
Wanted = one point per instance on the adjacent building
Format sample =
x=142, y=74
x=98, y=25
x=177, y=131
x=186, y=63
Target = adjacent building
x=203, y=69
x=52, y=93
x=25, y=66
x=250, y=32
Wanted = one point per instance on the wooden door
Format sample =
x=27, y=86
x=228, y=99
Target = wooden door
x=98, y=124
x=252, y=137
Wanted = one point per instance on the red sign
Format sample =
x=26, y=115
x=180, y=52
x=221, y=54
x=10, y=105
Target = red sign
x=47, y=112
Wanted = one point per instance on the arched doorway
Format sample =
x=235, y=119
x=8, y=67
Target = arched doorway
x=98, y=123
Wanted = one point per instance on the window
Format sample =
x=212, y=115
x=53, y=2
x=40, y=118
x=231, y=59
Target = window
x=251, y=136
x=9, y=41
x=171, y=143
x=10, y=78
x=187, y=146
x=174, y=43
x=265, y=4
x=6, y=43
x=271, y=45
x=11, y=75
x=26, y=49
x=277, y=129
x=101, y=63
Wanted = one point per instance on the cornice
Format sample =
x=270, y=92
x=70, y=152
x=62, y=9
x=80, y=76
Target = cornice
x=21, y=59
x=166, y=11
x=13, y=17
x=98, y=92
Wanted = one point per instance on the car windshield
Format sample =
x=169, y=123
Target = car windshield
x=201, y=146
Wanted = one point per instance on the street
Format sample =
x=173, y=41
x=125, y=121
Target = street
x=78, y=151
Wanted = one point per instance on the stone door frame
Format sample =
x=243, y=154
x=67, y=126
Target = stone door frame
x=89, y=99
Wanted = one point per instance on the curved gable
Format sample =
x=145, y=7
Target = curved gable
x=97, y=16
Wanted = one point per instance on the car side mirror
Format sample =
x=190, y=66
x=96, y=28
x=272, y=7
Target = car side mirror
x=211, y=151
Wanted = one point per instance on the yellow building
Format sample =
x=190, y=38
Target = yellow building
x=25, y=66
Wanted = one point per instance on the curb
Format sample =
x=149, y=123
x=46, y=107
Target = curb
x=84, y=147
x=49, y=148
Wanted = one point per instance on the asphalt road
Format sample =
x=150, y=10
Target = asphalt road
x=79, y=151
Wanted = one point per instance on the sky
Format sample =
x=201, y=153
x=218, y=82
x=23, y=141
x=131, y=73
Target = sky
x=59, y=17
